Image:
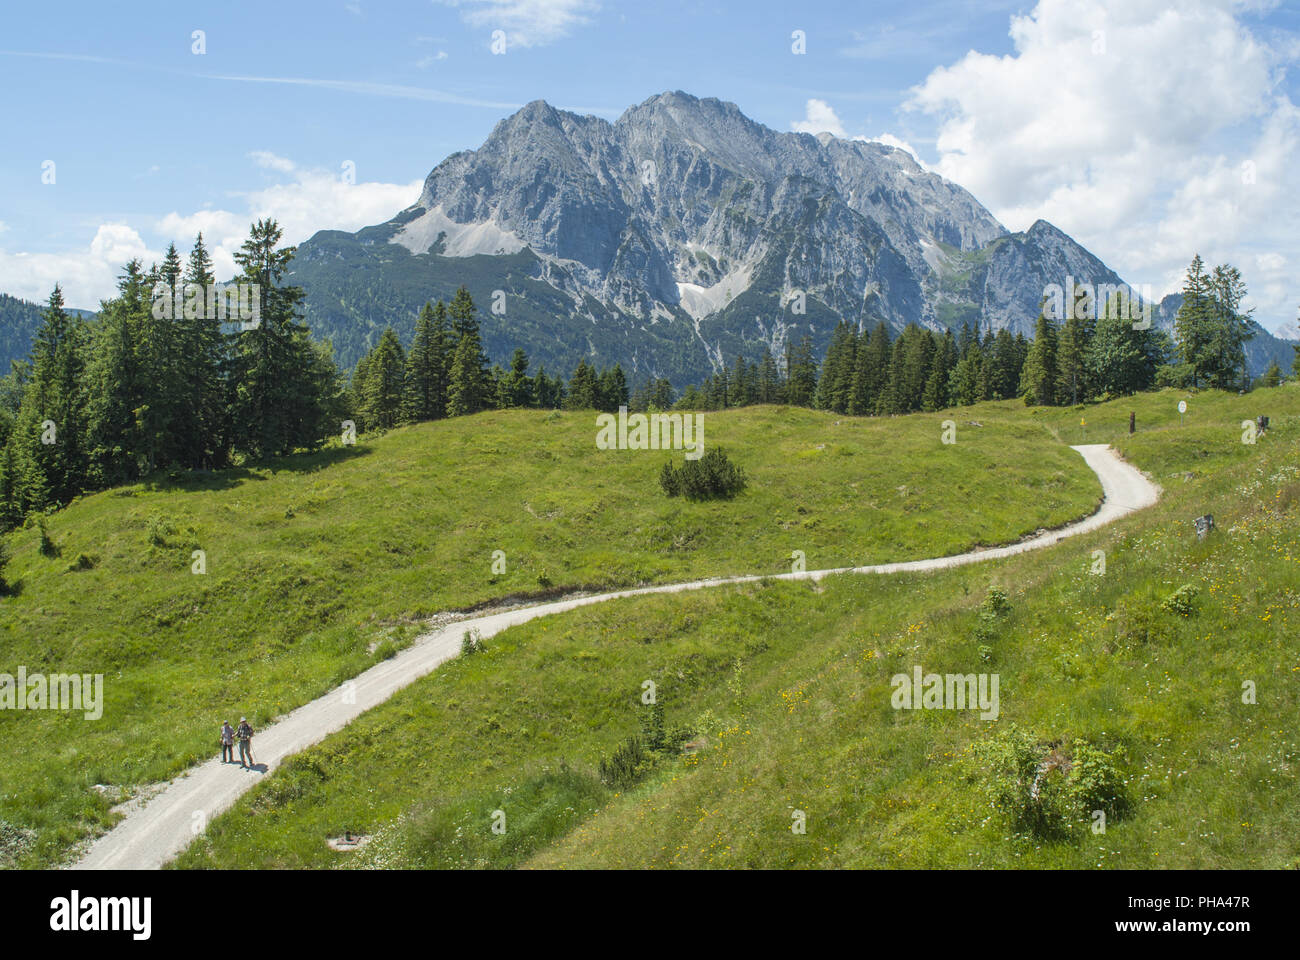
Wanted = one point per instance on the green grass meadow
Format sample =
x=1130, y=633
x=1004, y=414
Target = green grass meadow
x=783, y=690
x=319, y=565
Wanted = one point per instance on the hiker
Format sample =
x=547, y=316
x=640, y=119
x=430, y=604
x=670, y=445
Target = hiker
x=227, y=742
x=245, y=735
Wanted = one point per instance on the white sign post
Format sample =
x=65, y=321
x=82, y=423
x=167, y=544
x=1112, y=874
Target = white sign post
x=1182, y=408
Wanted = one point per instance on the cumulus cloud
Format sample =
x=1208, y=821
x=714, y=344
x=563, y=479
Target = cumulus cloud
x=87, y=275
x=1148, y=131
x=271, y=161
x=820, y=117
x=527, y=23
x=307, y=200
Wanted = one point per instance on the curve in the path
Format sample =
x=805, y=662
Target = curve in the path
x=149, y=836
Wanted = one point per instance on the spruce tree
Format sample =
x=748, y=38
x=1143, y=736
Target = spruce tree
x=384, y=391
x=426, y=365
x=1039, y=375
x=53, y=472
x=469, y=380
x=277, y=374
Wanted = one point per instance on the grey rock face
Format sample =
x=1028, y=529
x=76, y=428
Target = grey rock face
x=679, y=236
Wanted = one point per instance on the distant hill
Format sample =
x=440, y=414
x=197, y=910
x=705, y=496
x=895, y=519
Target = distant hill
x=19, y=320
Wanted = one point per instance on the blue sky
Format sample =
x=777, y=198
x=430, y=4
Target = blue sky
x=1148, y=130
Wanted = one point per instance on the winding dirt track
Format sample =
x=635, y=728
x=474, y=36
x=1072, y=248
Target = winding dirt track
x=149, y=836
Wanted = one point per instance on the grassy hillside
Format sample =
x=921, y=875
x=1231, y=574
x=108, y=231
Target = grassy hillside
x=321, y=564
x=784, y=693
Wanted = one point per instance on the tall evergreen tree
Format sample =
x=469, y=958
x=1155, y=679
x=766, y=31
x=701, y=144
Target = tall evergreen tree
x=801, y=373
x=584, y=388
x=383, y=391
x=469, y=386
x=767, y=387
x=1039, y=375
x=836, y=382
x=427, y=365
x=201, y=362
x=50, y=430
x=276, y=370
x=870, y=370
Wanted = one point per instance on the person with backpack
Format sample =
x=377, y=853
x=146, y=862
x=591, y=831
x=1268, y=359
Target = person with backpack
x=245, y=735
x=227, y=742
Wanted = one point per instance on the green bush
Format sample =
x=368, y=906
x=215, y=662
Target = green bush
x=160, y=528
x=1045, y=791
x=83, y=562
x=471, y=642
x=1182, y=601
x=711, y=477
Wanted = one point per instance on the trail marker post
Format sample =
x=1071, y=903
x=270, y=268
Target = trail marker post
x=1182, y=408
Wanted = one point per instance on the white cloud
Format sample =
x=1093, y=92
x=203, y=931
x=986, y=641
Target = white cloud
x=87, y=275
x=312, y=200
x=527, y=23
x=819, y=118
x=271, y=161
x=889, y=140
x=1127, y=123
x=307, y=201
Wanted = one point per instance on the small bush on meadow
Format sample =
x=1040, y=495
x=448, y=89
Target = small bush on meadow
x=83, y=562
x=712, y=477
x=1047, y=791
x=471, y=642
x=1182, y=601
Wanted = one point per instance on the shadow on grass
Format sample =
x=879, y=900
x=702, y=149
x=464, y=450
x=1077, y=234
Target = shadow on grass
x=230, y=477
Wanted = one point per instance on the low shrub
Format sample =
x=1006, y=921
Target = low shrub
x=712, y=477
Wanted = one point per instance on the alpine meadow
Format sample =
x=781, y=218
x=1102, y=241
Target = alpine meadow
x=768, y=437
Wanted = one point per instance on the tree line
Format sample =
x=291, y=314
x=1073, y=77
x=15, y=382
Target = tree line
x=115, y=398
x=445, y=373
x=135, y=390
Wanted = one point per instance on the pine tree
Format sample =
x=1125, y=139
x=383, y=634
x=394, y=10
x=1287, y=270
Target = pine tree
x=935, y=396
x=383, y=392
x=469, y=386
x=1192, y=325
x=870, y=370
x=116, y=376
x=200, y=365
x=1039, y=375
x=584, y=388
x=1226, y=367
x=613, y=389
x=53, y=472
x=427, y=366
x=836, y=383
x=1072, y=384
x=767, y=388
x=516, y=386
x=967, y=380
x=890, y=400
x=276, y=371
x=801, y=373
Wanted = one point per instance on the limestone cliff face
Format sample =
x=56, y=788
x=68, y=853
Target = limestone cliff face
x=678, y=237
